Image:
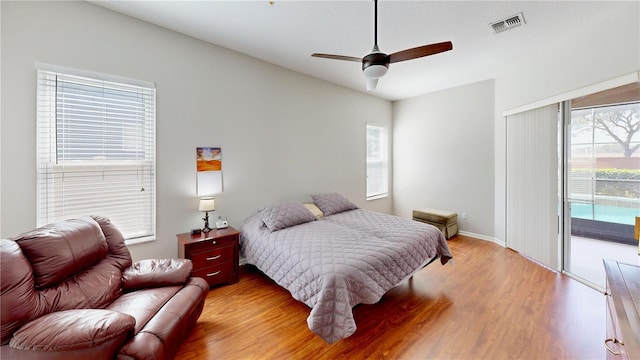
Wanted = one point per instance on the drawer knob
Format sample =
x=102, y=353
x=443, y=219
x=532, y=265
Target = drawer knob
x=213, y=257
x=213, y=273
x=213, y=242
x=615, y=341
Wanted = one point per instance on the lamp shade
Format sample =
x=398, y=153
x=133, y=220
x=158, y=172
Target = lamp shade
x=207, y=204
x=372, y=83
x=375, y=71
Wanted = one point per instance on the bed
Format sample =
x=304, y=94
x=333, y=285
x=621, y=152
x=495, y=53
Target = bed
x=337, y=258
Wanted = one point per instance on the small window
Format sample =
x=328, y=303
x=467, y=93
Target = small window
x=377, y=162
x=96, y=151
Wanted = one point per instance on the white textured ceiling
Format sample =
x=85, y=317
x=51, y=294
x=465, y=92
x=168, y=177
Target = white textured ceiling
x=286, y=33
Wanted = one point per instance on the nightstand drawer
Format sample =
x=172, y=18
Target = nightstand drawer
x=208, y=243
x=212, y=256
x=216, y=274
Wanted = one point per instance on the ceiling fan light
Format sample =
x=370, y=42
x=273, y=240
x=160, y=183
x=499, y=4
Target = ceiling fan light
x=375, y=71
x=371, y=84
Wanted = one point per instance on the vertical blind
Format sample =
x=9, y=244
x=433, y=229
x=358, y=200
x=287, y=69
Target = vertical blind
x=96, y=151
x=377, y=161
x=532, y=184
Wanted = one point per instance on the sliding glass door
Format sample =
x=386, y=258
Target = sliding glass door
x=601, y=181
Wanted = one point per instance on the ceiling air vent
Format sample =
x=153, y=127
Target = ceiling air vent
x=508, y=23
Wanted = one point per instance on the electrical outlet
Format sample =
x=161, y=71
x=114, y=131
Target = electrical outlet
x=464, y=216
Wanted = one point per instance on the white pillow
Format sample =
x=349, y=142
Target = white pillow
x=315, y=210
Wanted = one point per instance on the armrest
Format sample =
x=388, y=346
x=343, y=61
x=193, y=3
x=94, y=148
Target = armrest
x=72, y=330
x=156, y=273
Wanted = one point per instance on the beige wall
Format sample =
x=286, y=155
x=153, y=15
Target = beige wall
x=443, y=155
x=283, y=135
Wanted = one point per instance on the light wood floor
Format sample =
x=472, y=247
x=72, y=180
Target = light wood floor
x=491, y=303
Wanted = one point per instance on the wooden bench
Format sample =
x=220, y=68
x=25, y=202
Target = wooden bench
x=444, y=220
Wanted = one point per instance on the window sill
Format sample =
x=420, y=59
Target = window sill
x=140, y=240
x=376, y=197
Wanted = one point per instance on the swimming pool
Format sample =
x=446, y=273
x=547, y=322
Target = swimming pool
x=608, y=213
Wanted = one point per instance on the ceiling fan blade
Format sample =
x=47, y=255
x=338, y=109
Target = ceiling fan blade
x=337, y=57
x=420, y=51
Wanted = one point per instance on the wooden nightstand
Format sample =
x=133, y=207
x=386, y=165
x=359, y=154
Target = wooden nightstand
x=214, y=254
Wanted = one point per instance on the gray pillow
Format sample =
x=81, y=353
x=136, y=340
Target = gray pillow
x=333, y=203
x=283, y=215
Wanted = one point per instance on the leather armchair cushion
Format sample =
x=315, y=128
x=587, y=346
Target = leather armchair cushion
x=18, y=300
x=73, y=330
x=118, y=251
x=161, y=336
x=151, y=273
x=60, y=250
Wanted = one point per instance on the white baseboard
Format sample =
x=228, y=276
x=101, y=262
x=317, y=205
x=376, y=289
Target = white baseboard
x=483, y=237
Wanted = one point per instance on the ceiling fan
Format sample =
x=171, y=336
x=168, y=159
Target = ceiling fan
x=376, y=64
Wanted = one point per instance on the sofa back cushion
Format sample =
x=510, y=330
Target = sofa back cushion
x=72, y=264
x=60, y=250
x=119, y=254
x=18, y=299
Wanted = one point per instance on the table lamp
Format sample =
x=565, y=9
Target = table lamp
x=207, y=204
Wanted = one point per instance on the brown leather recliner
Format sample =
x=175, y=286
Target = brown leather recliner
x=70, y=291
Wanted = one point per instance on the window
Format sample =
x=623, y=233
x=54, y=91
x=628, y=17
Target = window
x=377, y=162
x=96, y=150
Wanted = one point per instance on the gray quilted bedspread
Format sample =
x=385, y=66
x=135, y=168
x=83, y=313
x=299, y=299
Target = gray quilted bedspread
x=341, y=260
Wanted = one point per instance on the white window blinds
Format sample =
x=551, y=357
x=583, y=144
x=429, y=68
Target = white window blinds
x=96, y=152
x=377, y=161
x=532, y=184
